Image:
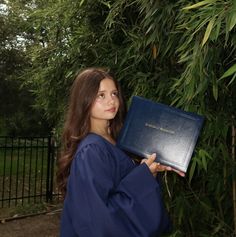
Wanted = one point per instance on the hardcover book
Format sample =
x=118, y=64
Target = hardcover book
x=152, y=127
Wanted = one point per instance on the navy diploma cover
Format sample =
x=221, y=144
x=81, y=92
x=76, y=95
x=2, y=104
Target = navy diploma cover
x=169, y=132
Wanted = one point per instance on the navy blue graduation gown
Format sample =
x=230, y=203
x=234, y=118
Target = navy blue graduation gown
x=109, y=196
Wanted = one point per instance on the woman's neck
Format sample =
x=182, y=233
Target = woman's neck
x=100, y=127
x=103, y=131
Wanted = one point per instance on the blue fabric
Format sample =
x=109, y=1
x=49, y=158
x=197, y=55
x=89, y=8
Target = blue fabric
x=109, y=196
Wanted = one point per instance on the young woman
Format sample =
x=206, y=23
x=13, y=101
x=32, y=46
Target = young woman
x=106, y=193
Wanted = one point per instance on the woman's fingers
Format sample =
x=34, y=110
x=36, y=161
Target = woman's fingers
x=179, y=172
x=163, y=168
x=168, y=168
x=150, y=159
x=157, y=167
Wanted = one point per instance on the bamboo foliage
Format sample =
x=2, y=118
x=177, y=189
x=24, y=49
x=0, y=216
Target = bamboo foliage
x=180, y=53
x=195, y=64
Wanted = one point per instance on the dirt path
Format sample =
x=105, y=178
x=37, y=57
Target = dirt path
x=46, y=225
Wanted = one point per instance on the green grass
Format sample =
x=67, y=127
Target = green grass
x=20, y=161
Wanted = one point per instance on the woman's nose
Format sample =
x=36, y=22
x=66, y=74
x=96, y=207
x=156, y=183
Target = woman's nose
x=111, y=100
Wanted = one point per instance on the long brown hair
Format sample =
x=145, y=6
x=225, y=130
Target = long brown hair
x=77, y=122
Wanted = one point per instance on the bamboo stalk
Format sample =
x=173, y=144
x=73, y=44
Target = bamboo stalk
x=234, y=182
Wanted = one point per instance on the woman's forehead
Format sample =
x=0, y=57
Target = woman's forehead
x=107, y=84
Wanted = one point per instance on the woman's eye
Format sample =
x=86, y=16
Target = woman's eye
x=101, y=96
x=115, y=93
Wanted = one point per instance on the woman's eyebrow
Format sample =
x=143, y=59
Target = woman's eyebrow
x=106, y=90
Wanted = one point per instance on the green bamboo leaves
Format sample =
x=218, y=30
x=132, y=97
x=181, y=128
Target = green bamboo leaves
x=208, y=30
x=199, y=4
x=177, y=52
x=221, y=12
x=231, y=71
x=232, y=17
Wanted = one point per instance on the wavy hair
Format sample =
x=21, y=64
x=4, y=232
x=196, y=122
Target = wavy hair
x=77, y=122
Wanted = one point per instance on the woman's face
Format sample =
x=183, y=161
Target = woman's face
x=106, y=104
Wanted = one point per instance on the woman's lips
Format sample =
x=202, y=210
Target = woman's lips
x=111, y=110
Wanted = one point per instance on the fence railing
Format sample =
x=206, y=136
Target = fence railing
x=27, y=170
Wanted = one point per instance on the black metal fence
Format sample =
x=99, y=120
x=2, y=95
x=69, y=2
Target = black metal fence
x=27, y=170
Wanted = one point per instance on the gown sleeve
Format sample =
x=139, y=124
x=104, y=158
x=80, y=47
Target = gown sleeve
x=99, y=207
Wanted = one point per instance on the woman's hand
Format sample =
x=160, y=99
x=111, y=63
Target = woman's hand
x=152, y=165
x=157, y=167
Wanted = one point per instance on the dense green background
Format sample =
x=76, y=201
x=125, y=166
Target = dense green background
x=179, y=52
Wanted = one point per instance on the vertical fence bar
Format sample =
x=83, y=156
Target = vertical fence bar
x=17, y=171
x=4, y=170
x=10, y=179
x=23, y=171
x=48, y=170
x=30, y=166
x=42, y=169
x=52, y=144
x=36, y=170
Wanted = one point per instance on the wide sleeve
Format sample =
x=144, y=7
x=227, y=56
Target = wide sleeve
x=101, y=207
